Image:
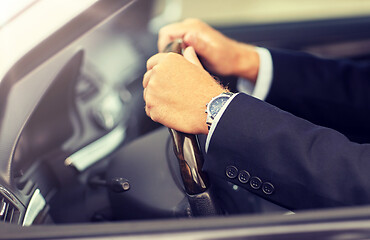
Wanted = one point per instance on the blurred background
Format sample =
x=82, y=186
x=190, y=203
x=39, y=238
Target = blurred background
x=234, y=12
x=333, y=28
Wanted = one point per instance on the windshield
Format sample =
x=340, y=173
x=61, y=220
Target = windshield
x=11, y=9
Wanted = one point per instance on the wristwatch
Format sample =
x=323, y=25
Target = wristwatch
x=215, y=105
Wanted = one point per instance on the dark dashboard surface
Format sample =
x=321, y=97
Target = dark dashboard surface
x=60, y=98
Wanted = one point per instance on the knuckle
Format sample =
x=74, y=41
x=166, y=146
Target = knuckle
x=148, y=63
x=146, y=75
x=147, y=98
x=166, y=29
x=192, y=20
x=146, y=79
x=163, y=30
x=172, y=56
x=147, y=111
x=154, y=70
x=154, y=117
x=144, y=94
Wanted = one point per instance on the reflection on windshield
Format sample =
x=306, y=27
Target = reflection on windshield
x=10, y=9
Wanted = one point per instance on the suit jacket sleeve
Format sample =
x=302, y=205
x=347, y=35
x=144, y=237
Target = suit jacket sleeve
x=307, y=165
x=331, y=93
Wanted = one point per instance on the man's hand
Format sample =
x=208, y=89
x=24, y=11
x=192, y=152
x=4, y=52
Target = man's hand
x=219, y=53
x=176, y=91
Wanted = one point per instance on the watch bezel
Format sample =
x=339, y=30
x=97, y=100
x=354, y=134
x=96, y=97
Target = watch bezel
x=210, y=115
x=213, y=102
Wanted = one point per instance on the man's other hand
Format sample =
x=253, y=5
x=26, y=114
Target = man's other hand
x=176, y=91
x=218, y=53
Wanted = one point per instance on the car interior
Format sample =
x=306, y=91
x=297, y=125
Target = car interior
x=75, y=143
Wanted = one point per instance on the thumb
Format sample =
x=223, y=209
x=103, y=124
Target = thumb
x=190, y=55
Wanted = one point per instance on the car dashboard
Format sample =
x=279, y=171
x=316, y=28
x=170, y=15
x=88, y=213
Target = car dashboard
x=64, y=107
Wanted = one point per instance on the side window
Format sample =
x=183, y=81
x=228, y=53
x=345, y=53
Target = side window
x=336, y=28
x=236, y=12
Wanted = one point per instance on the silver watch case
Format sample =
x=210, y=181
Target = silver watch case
x=215, y=105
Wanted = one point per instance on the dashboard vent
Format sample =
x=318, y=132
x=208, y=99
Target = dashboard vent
x=8, y=211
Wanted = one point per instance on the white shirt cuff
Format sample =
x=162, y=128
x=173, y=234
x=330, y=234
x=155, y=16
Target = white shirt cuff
x=264, y=78
x=217, y=118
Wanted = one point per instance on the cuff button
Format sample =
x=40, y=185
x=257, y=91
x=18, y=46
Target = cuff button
x=255, y=183
x=231, y=172
x=243, y=176
x=268, y=188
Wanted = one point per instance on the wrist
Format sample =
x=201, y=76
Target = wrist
x=215, y=106
x=248, y=62
x=211, y=92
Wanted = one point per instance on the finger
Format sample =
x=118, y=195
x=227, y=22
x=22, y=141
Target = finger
x=144, y=94
x=168, y=34
x=147, y=110
x=197, y=41
x=146, y=78
x=191, y=56
x=154, y=60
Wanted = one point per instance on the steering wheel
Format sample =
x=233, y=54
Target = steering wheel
x=190, y=158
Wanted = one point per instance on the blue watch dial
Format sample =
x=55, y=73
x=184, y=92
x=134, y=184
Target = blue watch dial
x=216, y=105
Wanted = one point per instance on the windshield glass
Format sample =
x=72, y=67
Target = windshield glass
x=10, y=9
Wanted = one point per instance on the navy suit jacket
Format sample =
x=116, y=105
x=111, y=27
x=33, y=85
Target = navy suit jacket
x=306, y=146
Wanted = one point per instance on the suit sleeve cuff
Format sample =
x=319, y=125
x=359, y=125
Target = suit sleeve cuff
x=264, y=78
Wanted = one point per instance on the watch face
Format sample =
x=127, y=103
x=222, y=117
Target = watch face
x=216, y=105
